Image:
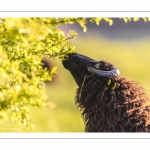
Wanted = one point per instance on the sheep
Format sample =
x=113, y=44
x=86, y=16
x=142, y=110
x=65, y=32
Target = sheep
x=108, y=102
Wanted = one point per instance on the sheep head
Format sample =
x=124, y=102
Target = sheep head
x=103, y=108
x=81, y=66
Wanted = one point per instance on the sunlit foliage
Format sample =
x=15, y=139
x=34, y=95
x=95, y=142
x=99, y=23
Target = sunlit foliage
x=23, y=44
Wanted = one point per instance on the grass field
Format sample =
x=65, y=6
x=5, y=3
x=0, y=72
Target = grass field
x=132, y=58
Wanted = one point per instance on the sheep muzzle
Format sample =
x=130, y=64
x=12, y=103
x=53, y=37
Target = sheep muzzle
x=77, y=65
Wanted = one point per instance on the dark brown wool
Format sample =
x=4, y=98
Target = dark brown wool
x=120, y=110
x=108, y=102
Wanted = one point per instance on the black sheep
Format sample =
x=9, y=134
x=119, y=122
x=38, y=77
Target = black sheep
x=108, y=102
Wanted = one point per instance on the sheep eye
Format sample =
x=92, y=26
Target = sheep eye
x=97, y=66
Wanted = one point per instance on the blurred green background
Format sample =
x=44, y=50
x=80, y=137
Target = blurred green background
x=131, y=56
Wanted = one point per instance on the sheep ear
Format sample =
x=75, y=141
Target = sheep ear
x=113, y=73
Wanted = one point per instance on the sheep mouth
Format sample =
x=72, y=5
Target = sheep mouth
x=71, y=61
x=68, y=63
